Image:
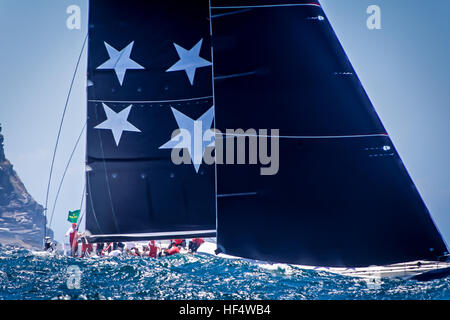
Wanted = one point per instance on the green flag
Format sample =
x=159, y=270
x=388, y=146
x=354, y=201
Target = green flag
x=73, y=216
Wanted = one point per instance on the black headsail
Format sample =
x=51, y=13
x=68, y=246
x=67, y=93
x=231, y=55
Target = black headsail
x=149, y=73
x=342, y=196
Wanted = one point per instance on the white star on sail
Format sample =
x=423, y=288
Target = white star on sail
x=117, y=122
x=120, y=61
x=196, y=129
x=189, y=61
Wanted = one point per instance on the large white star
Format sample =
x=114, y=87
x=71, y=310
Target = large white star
x=196, y=129
x=117, y=122
x=120, y=61
x=189, y=61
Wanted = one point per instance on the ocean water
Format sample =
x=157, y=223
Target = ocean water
x=28, y=275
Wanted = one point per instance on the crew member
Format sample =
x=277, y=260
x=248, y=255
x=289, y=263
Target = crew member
x=195, y=243
x=153, y=249
x=86, y=248
x=49, y=245
x=72, y=233
x=178, y=243
x=173, y=250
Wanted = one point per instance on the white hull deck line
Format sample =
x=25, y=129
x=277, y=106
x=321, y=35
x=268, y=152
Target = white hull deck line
x=405, y=270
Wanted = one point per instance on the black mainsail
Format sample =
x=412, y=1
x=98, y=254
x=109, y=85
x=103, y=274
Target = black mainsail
x=149, y=73
x=342, y=196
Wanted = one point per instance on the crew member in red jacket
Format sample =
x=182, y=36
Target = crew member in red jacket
x=177, y=242
x=153, y=249
x=195, y=243
x=172, y=250
x=72, y=233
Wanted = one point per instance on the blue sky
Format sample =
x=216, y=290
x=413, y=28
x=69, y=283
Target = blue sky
x=404, y=67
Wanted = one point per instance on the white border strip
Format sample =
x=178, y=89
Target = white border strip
x=149, y=101
x=153, y=234
x=272, y=6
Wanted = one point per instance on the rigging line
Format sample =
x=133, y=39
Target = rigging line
x=59, y=134
x=242, y=194
x=242, y=74
x=81, y=206
x=82, y=195
x=214, y=106
x=64, y=174
x=80, y=220
x=229, y=13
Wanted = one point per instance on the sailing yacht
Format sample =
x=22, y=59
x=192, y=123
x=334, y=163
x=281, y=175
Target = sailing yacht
x=342, y=200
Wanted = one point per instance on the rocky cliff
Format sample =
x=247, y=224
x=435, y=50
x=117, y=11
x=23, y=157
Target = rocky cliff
x=21, y=217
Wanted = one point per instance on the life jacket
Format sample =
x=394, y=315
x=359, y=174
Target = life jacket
x=198, y=241
x=178, y=241
x=173, y=250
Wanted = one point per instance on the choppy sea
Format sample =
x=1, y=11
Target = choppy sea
x=28, y=275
